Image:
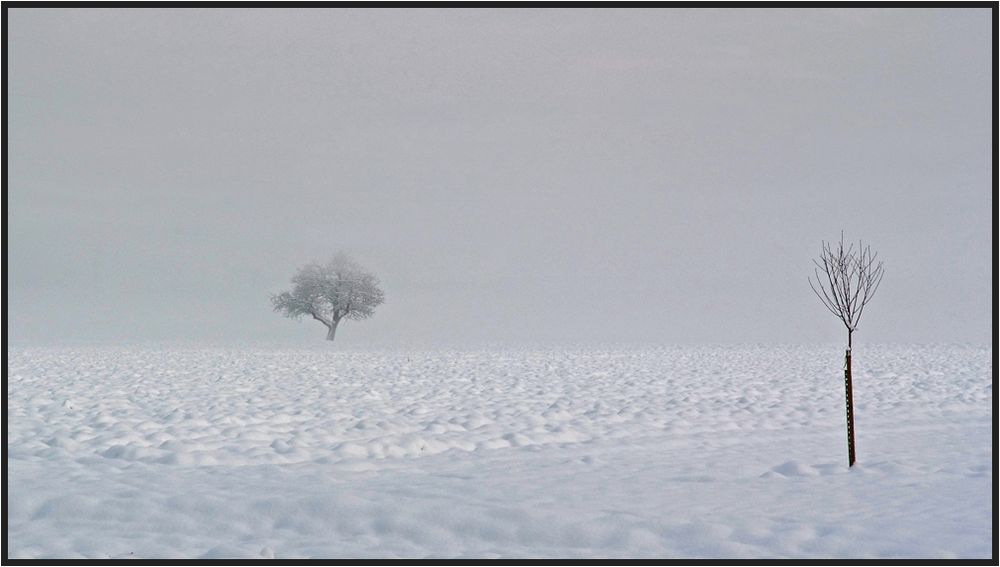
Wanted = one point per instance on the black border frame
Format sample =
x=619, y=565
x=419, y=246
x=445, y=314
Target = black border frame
x=522, y=4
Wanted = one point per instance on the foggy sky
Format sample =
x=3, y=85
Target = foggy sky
x=530, y=176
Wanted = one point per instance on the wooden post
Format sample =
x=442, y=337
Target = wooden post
x=850, y=409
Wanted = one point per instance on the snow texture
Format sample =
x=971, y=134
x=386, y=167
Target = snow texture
x=662, y=452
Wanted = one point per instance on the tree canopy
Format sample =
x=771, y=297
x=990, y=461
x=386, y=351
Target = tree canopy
x=338, y=289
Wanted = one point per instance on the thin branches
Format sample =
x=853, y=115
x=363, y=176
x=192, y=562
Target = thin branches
x=851, y=276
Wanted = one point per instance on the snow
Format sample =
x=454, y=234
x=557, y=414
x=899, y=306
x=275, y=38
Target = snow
x=684, y=452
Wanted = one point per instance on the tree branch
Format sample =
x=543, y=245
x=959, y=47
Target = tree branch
x=852, y=277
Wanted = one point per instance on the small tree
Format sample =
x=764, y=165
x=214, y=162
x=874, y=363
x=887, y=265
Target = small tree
x=340, y=289
x=848, y=282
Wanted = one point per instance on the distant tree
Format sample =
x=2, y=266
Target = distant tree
x=847, y=279
x=329, y=293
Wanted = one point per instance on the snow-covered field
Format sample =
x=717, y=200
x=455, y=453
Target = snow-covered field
x=669, y=452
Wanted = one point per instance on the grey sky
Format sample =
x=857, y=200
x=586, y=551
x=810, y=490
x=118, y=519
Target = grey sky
x=543, y=176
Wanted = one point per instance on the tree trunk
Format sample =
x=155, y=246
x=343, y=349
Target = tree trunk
x=332, y=332
x=850, y=404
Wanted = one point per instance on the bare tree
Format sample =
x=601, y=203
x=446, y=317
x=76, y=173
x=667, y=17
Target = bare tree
x=847, y=279
x=340, y=289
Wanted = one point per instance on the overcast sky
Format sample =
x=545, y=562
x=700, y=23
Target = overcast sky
x=530, y=176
